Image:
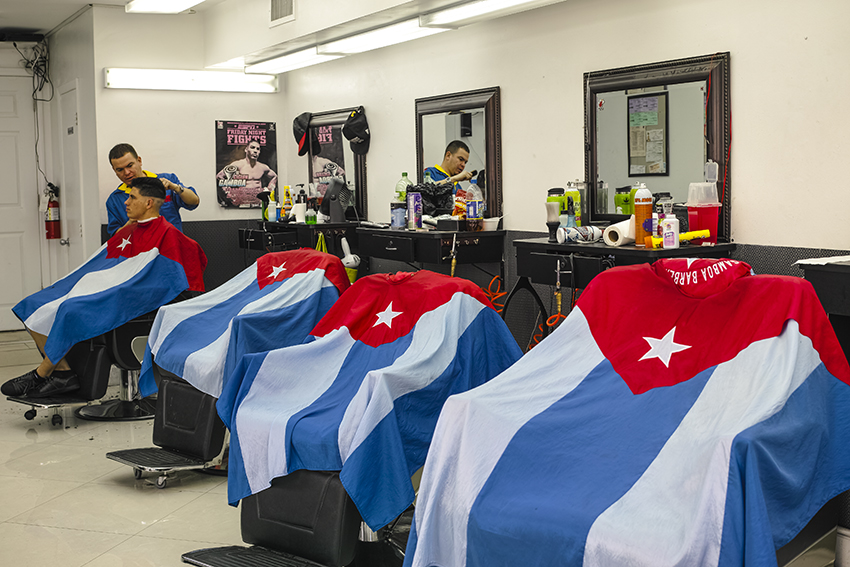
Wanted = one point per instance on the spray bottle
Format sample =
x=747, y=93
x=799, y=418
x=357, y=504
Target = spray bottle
x=643, y=215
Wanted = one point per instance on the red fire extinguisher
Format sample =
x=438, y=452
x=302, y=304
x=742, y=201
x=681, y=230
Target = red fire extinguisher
x=52, y=227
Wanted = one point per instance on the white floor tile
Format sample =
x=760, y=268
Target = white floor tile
x=35, y=546
x=208, y=518
x=113, y=436
x=108, y=509
x=139, y=551
x=24, y=494
x=61, y=462
x=189, y=481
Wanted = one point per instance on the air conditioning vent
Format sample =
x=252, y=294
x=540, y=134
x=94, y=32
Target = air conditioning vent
x=281, y=11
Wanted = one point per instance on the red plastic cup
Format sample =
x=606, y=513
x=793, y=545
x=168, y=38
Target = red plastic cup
x=704, y=217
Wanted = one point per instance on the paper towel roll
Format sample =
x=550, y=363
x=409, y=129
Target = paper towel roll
x=620, y=233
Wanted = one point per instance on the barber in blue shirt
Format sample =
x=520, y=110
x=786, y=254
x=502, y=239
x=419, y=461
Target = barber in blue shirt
x=452, y=168
x=127, y=166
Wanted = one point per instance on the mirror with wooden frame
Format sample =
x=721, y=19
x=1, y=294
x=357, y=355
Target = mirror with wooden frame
x=473, y=117
x=681, y=113
x=337, y=160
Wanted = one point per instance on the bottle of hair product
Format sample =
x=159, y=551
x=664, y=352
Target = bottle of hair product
x=643, y=215
x=401, y=187
x=670, y=232
x=287, y=201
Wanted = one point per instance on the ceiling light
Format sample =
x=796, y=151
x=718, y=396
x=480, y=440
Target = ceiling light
x=290, y=62
x=177, y=80
x=160, y=6
x=479, y=11
x=382, y=37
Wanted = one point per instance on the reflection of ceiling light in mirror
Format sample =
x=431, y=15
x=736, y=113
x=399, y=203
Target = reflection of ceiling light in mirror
x=235, y=63
x=479, y=11
x=375, y=39
x=160, y=6
x=178, y=80
x=290, y=62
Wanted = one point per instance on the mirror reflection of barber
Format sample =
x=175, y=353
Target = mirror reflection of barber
x=451, y=170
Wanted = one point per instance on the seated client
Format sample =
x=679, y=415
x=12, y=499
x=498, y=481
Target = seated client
x=146, y=264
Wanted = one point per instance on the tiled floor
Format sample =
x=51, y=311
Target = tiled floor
x=63, y=503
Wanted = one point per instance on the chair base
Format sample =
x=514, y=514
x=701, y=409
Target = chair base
x=118, y=410
x=239, y=556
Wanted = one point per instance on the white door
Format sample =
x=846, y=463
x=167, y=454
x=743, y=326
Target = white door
x=21, y=226
x=70, y=193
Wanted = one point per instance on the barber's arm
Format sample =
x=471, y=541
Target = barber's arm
x=462, y=176
x=187, y=195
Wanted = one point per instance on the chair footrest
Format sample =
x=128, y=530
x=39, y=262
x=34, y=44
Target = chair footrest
x=154, y=459
x=238, y=556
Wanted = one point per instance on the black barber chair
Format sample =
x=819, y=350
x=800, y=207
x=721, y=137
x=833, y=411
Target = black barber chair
x=129, y=406
x=304, y=519
x=187, y=432
x=90, y=361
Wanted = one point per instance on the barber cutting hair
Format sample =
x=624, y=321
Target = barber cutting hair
x=452, y=168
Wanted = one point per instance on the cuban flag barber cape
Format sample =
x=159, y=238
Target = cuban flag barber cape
x=685, y=413
x=143, y=266
x=362, y=394
x=272, y=304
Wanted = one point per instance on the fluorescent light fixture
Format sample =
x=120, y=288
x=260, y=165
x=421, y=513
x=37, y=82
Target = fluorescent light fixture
x=290, y=62
x=177, y=80
x=235, y=63
x=479, y=11
x=160, y=6
x=375, y=39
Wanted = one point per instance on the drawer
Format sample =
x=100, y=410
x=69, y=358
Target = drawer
x=387, y=246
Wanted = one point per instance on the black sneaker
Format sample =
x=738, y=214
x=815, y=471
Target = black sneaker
x=22, y=384
x=56, y=385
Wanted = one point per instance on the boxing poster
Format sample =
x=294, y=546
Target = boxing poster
x=246, y=162
x=331, y=161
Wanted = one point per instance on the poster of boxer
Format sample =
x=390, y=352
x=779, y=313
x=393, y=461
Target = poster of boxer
x=246, y=162
x=331, y=162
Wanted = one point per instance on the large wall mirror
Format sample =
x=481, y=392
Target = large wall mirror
x=657, y=124
x=474, y=117
x=337, y=160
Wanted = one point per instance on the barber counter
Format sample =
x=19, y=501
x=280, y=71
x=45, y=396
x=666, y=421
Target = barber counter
x=536, y=258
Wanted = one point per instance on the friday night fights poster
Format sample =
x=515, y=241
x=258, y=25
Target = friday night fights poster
x=246, y=162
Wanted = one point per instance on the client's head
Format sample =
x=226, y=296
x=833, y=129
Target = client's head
x=146, y=197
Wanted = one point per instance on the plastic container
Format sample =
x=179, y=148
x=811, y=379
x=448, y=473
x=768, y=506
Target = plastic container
x=643, y=214
x=670, y=233
x=398, y=214
x=703, y=210
x=623, y=201
x=474, y=201
x=401, y=187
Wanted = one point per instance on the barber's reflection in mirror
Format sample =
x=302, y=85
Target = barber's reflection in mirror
x=451, y=170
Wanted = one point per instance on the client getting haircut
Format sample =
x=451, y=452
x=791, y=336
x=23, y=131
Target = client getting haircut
x=149, y=187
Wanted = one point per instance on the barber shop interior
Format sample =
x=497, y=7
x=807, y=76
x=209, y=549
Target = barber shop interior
x=224, y=223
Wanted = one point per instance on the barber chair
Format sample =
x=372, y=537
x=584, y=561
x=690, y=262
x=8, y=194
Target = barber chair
x=187, y=432
x=129, y=406
x=91, y=362
x=306, y=519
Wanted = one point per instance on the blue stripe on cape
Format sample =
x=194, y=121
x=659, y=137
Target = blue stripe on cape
x=99, y=296
x=560, y=464
x=202, y=339
x=335, y=403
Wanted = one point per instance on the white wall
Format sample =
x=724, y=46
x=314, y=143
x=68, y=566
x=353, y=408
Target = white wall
x=790, y=118
x=173, y=132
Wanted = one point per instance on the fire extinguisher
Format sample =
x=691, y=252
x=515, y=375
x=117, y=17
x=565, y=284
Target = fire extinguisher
x=52, y=227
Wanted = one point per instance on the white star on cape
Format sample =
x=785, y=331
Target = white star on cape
x=276, y=270
x=124, y=243
x=387, y=315
x=663, y=349
x=690, y=261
